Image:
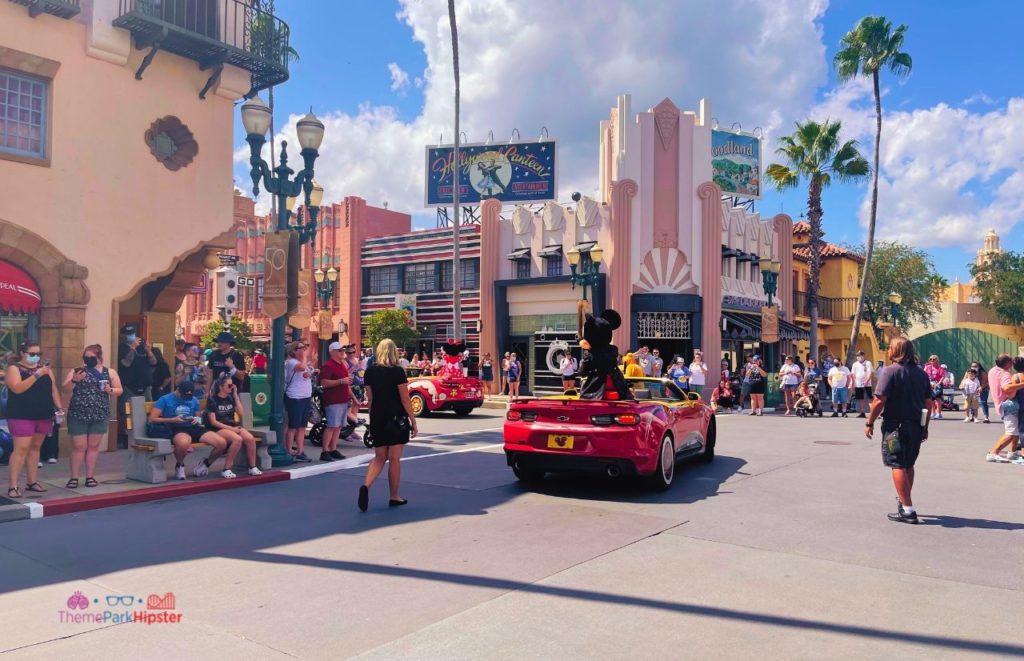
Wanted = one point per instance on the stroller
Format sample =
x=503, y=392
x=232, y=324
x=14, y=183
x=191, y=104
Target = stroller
x=319, y=420
x=806, y=409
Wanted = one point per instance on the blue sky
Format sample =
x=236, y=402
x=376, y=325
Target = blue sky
x=520, y=61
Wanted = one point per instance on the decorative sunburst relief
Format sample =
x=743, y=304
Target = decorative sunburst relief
x=665, y=271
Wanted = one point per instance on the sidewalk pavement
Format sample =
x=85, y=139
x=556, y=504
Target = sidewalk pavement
x=115, y=489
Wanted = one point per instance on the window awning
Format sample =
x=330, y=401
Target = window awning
x=743, y=326
x=520, y=253
x=550, y=251
x=586, y=246
x=730, y=252
x=747, y=257
x=19, y=293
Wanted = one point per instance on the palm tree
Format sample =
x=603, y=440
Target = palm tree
x=870, y=46
x=815, y=152
x=456, y=257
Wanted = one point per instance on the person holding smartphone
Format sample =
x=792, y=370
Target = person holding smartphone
x=223, y=414
x=32, y=402
x=92, y=385
x=179, y=412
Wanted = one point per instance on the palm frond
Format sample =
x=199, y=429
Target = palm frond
x=782, y=177
x=900, y=64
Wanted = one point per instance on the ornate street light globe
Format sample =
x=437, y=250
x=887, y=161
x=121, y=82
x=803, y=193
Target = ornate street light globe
x=256, y=116
x=290, y=203
x=211, y=260
x=597, y=254
x=573, y=256
x=318, y=275
x=895, y=298
x=316, y=196
x=766, y=264
x=310, y=131
x=776, y=266
x=332, y=274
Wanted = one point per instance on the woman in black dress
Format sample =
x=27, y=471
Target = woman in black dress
x=392, y=422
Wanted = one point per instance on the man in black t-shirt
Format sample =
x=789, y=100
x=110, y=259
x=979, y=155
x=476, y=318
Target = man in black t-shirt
x=135, y=363
x=226, y=358
x=903, y=397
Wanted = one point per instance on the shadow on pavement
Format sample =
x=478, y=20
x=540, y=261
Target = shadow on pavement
x=747, y=617
x=694, y=481
x=960, y=522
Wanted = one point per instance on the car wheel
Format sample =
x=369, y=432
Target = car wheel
x=463, y=411
x=528, y=474
x=666, y=470
x=419, y=405
x=709, y=442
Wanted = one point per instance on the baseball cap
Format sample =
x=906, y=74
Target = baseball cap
x=336, y=346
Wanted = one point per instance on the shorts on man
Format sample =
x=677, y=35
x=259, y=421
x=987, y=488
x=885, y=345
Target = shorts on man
x=337, y=414
x=839, y=395
x=901, y=445
x=1011, y=425
x=862, y=393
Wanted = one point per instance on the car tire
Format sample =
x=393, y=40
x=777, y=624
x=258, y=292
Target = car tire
x=463, y=411
x=419, y=405
x=709, y=442
x=665, y=472
x=528, y=474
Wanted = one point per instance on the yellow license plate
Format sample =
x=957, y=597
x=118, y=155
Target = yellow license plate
x=560, y=441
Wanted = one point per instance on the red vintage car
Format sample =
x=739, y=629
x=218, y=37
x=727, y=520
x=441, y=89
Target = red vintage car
x=644, y=437
x=441, y=393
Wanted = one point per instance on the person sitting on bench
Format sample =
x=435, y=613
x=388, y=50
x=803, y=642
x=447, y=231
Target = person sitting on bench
x=223, y=412
x=176, y=416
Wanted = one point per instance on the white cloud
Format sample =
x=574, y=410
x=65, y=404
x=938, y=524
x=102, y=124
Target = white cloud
x=560, y=64
x=399, y=78
x=980, y=97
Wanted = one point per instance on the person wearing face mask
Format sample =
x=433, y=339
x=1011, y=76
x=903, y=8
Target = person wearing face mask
x=32, y=402
x=177, y=416
x=136, y=362
x=92, y=385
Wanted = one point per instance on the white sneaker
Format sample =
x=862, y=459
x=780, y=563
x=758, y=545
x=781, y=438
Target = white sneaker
x=939, y=417
x=968, y=420
x=51, y=460
x=179, y=472
x=978, y=421
x=1019, y=461
x=1013, y=455
x=227, y=473
x=255, y=471
x=996, y=458
x=201, y=470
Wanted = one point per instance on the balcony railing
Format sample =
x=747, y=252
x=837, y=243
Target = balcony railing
x=830, y=309
x=212, y=33
x=60, y=8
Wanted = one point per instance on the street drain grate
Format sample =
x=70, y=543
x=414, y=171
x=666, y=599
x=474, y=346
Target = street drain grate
x=832, y=443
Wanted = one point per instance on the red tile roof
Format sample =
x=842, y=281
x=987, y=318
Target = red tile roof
x=801, y=227
x=828, y=250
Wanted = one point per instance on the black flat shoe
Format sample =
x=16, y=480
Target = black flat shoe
x=326, y=456
x=336, y=455
x=397, y=503
x=364, y=498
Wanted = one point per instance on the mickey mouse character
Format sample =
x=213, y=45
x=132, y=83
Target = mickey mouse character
x=601, y=376
x=453, y=355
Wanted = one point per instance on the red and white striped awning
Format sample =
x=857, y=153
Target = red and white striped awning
x=19, y=293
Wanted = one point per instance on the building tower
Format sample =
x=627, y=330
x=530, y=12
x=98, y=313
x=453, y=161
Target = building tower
x=990, y=248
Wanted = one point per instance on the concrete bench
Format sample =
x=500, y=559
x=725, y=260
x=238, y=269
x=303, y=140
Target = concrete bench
x=146, y=455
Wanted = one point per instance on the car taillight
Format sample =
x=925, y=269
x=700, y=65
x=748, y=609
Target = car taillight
x=514, y=416
x=601, y=420
x=627, y=419
x=529, y=416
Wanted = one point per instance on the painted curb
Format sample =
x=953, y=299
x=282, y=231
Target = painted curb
x=101, y=501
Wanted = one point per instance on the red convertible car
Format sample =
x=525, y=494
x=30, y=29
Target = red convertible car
x=644, y=437
x=441, y=393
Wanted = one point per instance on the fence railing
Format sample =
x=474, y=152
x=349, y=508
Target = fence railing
x=832, y=309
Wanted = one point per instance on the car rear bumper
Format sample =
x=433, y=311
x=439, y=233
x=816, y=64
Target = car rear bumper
x=572, y=463
x=449, y=404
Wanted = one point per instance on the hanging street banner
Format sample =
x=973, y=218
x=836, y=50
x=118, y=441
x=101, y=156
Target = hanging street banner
x=407, y=302
x=770, y=324
x=301, y=315
x=516, y=173
x=736, y=163
x=275, y=285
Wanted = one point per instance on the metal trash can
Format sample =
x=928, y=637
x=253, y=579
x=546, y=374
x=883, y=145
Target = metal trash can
x=259, y=389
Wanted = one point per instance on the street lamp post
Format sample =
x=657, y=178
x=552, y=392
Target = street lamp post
x=256, y=117
x=585, y=275
x=770, y=284
x=894, y=307
x=324, y=292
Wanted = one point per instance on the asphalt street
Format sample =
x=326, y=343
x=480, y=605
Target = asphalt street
x=779, y=549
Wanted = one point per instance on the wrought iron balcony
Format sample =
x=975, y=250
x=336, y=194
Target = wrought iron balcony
x=829, y=309
x=59, y=8
x=212, y=33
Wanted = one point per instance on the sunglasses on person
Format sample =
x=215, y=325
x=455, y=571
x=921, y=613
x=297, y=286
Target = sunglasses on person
x=34, y=354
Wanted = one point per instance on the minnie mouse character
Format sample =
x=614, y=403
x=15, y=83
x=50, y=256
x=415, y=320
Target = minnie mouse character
x=453, y=355
x=599, y=370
